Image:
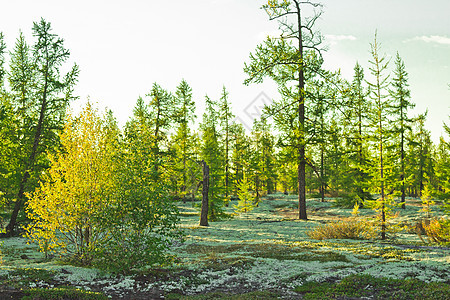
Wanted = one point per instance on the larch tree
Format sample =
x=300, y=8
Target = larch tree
x=51, y=96
x=184, y=114
x=421, y=162
x=357, y=122
x=379, y=116
x=2, y=61
x=284, y=60
x=401, y=104
x=240, y=153
x=226, y=117
x=160, y=118
x=212, y=154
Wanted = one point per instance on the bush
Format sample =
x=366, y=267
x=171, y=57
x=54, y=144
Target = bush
x=103, y=201
x=346, y=229
x=436, y=230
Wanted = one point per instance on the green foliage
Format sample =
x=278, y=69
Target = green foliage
x=225, y=118
x=385, y=222
x=245, y=202
x=367, y=286
x=183, y=143
x=100, y=201
x=212, y=154
x=62, y=293
x=427, y=203
x=40, y=94
x=256, y=295
x=75, y=190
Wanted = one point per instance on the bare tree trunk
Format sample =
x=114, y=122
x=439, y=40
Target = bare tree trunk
x=322, y=186
x=301, y=120
x=205, y=191
x=402, y=175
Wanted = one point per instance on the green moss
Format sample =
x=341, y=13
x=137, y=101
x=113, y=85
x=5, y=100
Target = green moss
x=257, y=295
x=62, y=293
x=359, y=286
x=22, y=277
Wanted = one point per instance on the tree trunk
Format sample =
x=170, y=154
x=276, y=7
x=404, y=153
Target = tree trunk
x=301, y=120
x=205, y=191
x=26, y=175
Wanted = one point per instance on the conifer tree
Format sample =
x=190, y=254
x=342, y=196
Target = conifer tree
x=212, y=154
x=226, y=117
x=421, y=162
x=356, y=119
x=240, y=153
x=182, y=141
x=442, y=170
x=287, y=63
x=51, y=95
x=161, y=114
x=2, y=62
x=245, y=202
x=401, y=103
x=379, y=116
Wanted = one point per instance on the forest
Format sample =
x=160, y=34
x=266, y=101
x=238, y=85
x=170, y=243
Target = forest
x=337, y=192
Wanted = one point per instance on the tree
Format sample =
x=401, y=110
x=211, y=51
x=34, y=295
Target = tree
x=401, y=96
x=240, y=153
x=420, y=163
x=286, y=63
x=2, y=61
x=381, y=110
x=442, y=158
x=356, y=120
x=245, y=202
x=51, y=95
x=212, y=154
x=161, y=114
x=263, y=159
x=225, y=117
x=185, y=113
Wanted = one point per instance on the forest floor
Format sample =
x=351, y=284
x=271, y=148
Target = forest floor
x=264, y=254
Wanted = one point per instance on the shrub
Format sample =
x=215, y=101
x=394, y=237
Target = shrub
x=102, y=200
x=436, y=230
x=346, y=229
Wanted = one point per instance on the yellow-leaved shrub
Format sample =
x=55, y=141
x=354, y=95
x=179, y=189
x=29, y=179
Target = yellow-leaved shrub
x=349, y=228
x=74, y=191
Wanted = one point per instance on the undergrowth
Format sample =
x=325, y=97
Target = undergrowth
x=344, y=229
x=436, y=231
x=370, y=287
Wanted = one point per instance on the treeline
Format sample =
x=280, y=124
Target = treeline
x=353, y=139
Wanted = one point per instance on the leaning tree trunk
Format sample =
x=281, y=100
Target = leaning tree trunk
x=205, y=191
x=26, y=175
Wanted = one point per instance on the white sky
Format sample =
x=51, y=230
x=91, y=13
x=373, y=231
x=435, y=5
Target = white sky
x=123, y=46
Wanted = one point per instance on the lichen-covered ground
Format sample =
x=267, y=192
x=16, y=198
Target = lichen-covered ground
x=263, y=254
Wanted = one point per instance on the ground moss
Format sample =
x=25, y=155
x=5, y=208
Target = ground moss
x=370, y=287
x=62, y=293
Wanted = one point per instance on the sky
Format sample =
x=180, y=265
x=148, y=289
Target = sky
x=123, y=47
